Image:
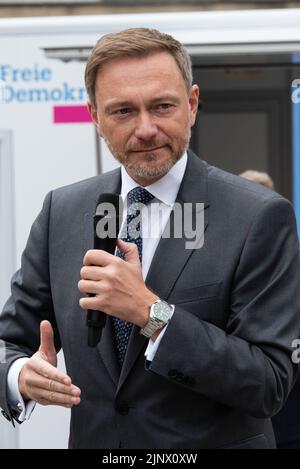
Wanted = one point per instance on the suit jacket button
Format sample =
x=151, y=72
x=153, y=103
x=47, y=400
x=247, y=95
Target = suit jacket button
x=122, y=408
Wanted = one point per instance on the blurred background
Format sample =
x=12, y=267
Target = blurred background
x=97, y=7
x=246, y=61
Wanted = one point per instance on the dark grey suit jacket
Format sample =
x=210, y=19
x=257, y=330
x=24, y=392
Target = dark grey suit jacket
x=223, y=367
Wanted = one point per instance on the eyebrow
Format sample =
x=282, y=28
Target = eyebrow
x=165, y=97
x=114, y=103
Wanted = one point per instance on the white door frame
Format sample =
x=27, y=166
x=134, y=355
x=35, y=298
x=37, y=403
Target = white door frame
x=8, y=435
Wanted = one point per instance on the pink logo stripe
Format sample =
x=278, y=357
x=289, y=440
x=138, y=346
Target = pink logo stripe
x=70, y=114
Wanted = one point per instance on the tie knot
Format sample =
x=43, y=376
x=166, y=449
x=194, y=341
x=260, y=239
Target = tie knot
x=139, y=195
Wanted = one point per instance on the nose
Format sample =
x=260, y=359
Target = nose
x=145, y=128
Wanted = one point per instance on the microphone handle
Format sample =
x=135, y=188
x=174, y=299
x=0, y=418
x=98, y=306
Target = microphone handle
x=96, y=319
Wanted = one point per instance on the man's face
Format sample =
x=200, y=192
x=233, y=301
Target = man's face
x=144, y=113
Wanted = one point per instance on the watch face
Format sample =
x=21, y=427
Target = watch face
x=162, y=311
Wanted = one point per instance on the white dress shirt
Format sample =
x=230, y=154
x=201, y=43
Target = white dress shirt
x=154, y=219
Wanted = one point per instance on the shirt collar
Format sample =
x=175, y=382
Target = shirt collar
x=165, y=189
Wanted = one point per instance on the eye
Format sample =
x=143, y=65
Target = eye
x=121, y=112
x=164, y=106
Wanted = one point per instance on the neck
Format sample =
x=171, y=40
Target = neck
x=143, y=182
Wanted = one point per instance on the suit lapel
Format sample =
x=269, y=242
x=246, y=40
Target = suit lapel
x=106, y=348
x=171, y=254
x=134, y=347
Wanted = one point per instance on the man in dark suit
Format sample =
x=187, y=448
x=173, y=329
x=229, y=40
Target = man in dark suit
x=215, y=322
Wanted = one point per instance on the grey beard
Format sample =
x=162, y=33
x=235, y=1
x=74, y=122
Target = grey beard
x=146, y=172
x=149, y=173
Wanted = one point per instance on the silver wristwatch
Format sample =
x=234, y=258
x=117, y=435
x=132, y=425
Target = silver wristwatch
x=160, y=314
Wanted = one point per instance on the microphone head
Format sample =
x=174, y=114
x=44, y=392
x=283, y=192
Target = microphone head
x=109, y=198
x=107, y=221
x=108, y=201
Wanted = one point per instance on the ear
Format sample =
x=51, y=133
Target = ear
x=94, y=115
x=193, y=102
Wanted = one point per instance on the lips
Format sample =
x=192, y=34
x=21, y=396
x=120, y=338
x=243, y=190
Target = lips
x=148, y=149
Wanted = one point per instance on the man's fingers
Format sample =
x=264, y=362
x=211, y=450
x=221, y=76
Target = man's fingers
x=98, y=257
x=47, y=339
x=43, y=383
x=89, y=286
x=45, y=397
x=91, y=273
x=89, y=303
x=43, y=368
x=50, y=385
x=130, y=251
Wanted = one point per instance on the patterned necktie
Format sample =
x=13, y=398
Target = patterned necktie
x=131, y=233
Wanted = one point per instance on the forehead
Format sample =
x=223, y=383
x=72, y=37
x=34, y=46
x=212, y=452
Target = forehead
x=154, y=72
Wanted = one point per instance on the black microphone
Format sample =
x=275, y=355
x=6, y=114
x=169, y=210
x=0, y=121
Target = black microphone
x=106, y=230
